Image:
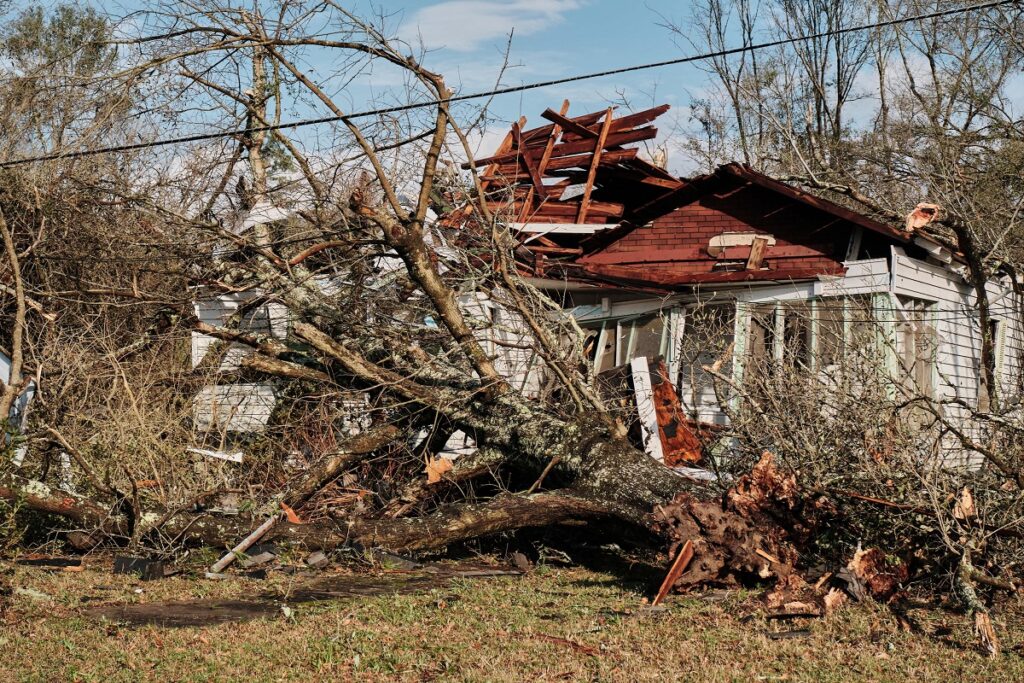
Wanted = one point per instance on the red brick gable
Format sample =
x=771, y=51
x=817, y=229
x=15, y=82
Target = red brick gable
x=676, y=245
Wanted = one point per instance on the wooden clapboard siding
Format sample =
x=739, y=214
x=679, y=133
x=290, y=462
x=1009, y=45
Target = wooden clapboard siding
x=959, y=352
x=219, y=310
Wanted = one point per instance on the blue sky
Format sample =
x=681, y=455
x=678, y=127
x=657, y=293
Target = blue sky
x=552, y=39
x=465, y=40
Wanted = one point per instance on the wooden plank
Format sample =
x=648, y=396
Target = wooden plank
x=543, y=164
x=526, y=155
x=544, y=131
x=756, y=257
x=643, y=394
x=566, y=251
x=626, y=122
x=588, y=188
x=678, y=567
x=556, y=131
x=569, y=209
x=506, y=145
x=577, y=161
x=568, y=124
x=581, y=146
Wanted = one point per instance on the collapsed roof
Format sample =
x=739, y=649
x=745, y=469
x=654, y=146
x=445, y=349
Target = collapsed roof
x=584, y=206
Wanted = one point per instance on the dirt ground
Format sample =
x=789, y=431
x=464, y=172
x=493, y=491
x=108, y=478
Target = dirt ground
x=551, y=624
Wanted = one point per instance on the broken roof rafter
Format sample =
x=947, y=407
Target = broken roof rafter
x=534, y=168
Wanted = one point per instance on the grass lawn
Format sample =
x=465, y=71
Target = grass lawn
x=553, y=624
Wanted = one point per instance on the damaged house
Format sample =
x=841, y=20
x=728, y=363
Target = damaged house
x=682, y=283
x=733, y=269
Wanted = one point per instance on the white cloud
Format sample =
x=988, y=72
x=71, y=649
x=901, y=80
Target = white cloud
x=465, y=25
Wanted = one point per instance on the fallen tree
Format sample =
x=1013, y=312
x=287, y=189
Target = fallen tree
x=382, y=302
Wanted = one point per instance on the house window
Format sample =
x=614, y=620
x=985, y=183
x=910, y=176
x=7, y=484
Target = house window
x=796, y=334
x=646, y=337
x=619, y=341
x=607, y=340
x=995, y=329
x=916, y=345
x=830, y=332
x=761, y=340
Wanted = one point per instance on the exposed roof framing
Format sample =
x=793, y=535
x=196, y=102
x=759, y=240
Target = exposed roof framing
x=576, y=169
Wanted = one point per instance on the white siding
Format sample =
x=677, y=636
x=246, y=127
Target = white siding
x=267, y=318
x=502, y=330
x=959, y=336
x=234, y=407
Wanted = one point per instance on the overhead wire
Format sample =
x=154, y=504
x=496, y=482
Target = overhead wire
x=201, y=137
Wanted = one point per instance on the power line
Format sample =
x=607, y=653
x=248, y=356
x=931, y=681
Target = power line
x=512, y=89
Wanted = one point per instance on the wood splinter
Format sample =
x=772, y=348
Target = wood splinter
x=680, y=564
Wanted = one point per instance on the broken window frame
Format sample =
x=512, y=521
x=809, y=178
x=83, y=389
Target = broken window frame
x=625, y=342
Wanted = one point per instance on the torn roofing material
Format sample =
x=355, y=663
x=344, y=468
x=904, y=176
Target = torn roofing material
x=586, y=207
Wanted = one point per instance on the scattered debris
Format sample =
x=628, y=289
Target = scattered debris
x=318, y=560
x=50, y=562
x=255, y=560
x=882, y=575
x=643, y=392
x=246, y=543
x=732, y=536
x=923, y=214
x=146, y=569
x=290, y=514
x=678, y=567
x=235, y=457
x=964, y=508
x=679, y=443
x=436, y=469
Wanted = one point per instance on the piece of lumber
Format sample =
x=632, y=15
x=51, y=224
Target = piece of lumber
x=506, y=145
x=678, y=567
x=580, y=146
x=756, y=258
x=610, y=157
x=588, y=187
x=562, y=210
x=539, y=188
x=526, y=155
x=243, y=545
x=561, y=122
x=544, y=131
x=628, y=121
x=561, y=251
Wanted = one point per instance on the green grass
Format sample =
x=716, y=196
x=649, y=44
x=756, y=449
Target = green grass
x=554, y=624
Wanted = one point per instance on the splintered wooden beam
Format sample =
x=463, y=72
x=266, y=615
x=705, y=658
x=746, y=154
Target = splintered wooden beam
x=491, y=170
x=627, y=122
x=563, y=210
x=602, y=138
x=574, y=161
x=526, y=155
x=539, y=189
x=581, y=146
x=568, y=124
x=555, y=132
x=678, y=567
x=757, y=248
x=544, y=131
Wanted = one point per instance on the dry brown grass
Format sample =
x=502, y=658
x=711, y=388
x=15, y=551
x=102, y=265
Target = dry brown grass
x=554, y=624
